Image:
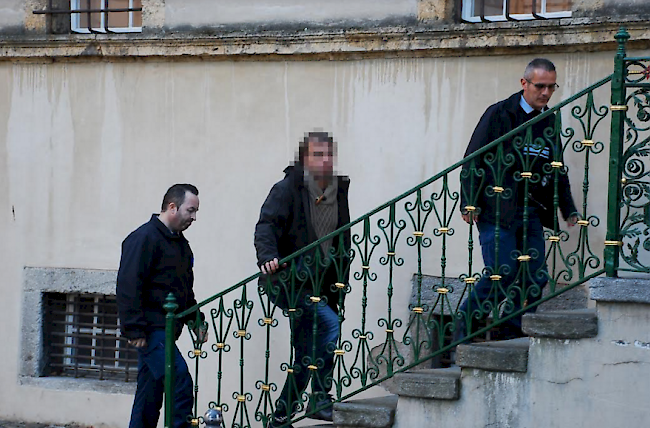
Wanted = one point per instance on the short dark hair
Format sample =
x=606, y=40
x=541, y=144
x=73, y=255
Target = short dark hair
x=538, y=64
x=176, y=194
x=312, y=137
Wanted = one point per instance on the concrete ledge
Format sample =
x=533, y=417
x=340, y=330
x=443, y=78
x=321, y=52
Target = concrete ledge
x=504, y=356
x=620, y=290
x=370, y=413
x=445, y=40
x=441, y=384
x=576, y=324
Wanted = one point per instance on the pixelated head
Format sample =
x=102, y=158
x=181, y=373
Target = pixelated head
x=539, y=82
x=317, y=153
x=180, y=205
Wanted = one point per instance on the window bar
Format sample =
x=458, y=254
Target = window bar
x=89, y=20
x=506, y=11
x=80, y=11
x=103, y=337
x=130, y=14
x=106, y=7
x=534, y=11
x=49, y=18
x=482, y=9
x=75, y=310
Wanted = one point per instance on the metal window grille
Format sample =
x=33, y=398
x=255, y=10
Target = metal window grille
x=512, y=10
x=98, y=16
x=82, y=338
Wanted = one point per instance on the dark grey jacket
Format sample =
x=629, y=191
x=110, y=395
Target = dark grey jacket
x=285, y=225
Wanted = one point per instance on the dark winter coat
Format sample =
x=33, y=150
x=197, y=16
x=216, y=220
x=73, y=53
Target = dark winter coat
x=285, y=225
x=154, y=263
x=478, y=180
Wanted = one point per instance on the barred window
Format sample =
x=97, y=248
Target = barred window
x=117, y=16
x=93, y=16
x=513, y=10
x=82, y=338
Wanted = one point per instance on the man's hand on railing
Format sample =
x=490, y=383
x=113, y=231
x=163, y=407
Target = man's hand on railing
x=271, y=266
x=573, y=220
x=201, y=334
x=469, y=217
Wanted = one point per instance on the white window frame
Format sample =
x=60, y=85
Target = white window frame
x=75, y=20
x=468, y=12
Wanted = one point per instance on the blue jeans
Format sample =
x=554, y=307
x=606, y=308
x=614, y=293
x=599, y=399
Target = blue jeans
x=309, y=349
x=151, y=385
x=521, y=282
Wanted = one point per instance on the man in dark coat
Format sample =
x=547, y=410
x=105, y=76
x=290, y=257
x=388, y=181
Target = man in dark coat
x=509, y=193
x=157, y=260
x=309, y=203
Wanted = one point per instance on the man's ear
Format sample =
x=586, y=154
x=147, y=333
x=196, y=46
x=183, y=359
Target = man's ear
x=171, y=206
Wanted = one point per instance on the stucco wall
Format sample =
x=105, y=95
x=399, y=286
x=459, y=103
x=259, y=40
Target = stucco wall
x=199, y=13
x=88, y=149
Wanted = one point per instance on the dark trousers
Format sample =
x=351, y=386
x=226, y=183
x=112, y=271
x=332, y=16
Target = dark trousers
x=151, y=385
x=311, y=348
x=521, y=281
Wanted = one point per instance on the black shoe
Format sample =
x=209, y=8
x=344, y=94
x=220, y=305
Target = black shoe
x=277, y=422
x=506, y=333
x=324, y=414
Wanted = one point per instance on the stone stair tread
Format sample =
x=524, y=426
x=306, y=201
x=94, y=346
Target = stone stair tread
x=376, y=412
x=567, y=324
x=505, y=355
x=442, y=384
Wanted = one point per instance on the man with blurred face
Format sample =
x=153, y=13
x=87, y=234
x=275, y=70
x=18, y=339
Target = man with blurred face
x=157, y=260
x=494, y=193
x=308, y=204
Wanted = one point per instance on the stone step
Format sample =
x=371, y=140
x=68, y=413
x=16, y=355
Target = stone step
x=376, y=412
x=441, y=384
x=505, y=356
x=574, y=324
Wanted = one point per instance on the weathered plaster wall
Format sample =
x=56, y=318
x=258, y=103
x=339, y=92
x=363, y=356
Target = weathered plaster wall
x=88, y=149
x=201, y=13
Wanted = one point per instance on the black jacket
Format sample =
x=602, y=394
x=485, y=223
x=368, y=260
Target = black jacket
x=478, y=179
x=285, y=225
x=154, y=263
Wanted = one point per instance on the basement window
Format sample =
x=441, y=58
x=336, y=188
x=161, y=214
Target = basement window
x=81, y=338
x=513, y=10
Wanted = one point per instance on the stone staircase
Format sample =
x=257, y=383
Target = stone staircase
x=579, y=368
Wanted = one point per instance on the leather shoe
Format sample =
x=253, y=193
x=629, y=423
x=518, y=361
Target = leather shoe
x=323, y=414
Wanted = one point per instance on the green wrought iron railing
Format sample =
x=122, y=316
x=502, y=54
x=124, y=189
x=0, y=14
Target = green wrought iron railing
x=420, y=232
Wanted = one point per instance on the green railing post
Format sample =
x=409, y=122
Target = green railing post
x=618, y=108
x=170, y=337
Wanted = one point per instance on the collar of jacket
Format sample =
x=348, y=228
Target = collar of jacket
x=163, y=229
x=296, y=174
x=512, y=103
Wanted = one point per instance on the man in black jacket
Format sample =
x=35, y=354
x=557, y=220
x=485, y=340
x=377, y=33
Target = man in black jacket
x=509, y=193
x=157, y=260
x=309, y=203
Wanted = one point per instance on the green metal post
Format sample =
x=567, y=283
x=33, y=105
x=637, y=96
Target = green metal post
x=170, y=337
x=618, y=108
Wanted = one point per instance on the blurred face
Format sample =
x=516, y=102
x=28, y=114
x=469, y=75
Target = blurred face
x=539, y=88
x=319, y=159
x=182, y=217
